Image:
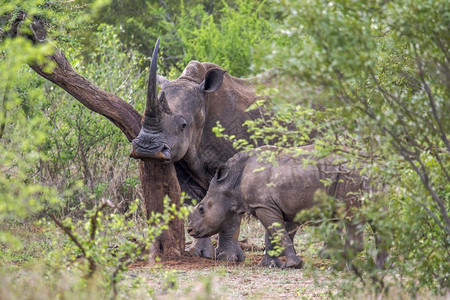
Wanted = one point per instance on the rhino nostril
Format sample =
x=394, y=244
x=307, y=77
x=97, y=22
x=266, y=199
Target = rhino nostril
x=166, y=152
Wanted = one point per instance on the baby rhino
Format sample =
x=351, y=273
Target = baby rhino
x=272, y=192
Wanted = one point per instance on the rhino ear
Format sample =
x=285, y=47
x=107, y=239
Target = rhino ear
x=163, y=102
x=222, y=173
x=213, y=80
x=161, y=81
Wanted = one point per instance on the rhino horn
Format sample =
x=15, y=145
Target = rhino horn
x=152, y=108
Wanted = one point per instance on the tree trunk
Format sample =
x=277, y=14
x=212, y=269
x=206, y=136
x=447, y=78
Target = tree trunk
x=163, y=182
x=157, y=179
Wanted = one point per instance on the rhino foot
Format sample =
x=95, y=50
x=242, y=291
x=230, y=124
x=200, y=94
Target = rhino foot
x=324, y=253
x=293, y=263
x=381, y=259
x=270, y=262
x=230, y=252
x=202, y=248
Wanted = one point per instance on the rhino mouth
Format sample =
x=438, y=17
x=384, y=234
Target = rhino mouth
x=191, y=232
x=196, y=234
x=149, y=146
x=163, y=155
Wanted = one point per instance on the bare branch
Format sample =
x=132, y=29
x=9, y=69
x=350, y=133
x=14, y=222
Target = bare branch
x=405, y=153
x=119, y=112
x=3, y=123
x=402, y=107
x=104, y=203
x=432, y=102
x=68, y=231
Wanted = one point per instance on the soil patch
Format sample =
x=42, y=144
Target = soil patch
x=189, y=262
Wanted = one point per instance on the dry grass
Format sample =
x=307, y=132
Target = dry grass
x=197, y=278
x=24, y=276
x=234, y=282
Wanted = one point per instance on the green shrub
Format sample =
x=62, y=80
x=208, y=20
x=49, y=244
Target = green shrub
x=104, y=244
x=84, y=146
x=22, y=134
x=229, y=40
x=373, y=79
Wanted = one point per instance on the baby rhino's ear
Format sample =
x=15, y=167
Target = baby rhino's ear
x=222, y=173
x=236, y=206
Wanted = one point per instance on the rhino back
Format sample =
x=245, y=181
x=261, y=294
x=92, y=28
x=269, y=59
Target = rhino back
x=289, y=186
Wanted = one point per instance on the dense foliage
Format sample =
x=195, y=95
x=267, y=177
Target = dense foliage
x=377, y=75
x=369, y=81
x=222, y=31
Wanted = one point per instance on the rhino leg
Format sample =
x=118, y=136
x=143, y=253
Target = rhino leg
x=273, y=222
x=228, y=248
x=353, y=243
x=297, y=263
x=353, y=240
x=382, y=253
x=269, y=261
x=292, y=228
x=202, y=247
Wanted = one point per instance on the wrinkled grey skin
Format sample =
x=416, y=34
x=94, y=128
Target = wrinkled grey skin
x=273, y=195
x=177, y=127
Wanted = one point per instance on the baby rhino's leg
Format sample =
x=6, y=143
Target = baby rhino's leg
x=269, y=260
x=274, y=223
x=273, y=261
x=229, y=248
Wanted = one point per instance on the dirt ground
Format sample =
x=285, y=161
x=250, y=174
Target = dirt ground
x=199, y=278
x=192, y=277
x=190, y=262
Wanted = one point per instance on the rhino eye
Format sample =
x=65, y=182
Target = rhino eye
x=201, y=209
x=182, y=123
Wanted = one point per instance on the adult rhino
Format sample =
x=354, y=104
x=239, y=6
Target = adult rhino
x=177, y=127
x=274, y=193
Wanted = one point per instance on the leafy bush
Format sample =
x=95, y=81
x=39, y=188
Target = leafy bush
x=106, y=243
x=226, y=32
x=373, y=79
x=84, y=146
x=22, y=134
x=229, y=40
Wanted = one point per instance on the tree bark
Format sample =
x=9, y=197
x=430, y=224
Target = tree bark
x=157, y=179
x=164, y=182
x=119, y=112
